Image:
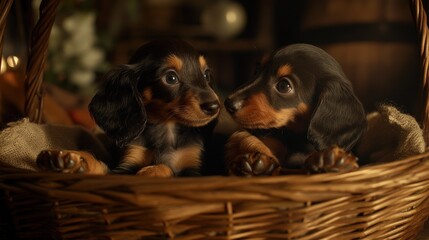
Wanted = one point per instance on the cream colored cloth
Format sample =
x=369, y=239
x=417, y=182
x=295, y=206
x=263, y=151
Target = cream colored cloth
x=390, y=135
x=22, y=141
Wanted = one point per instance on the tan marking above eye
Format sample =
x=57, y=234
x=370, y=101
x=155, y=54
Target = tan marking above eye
x=203, y=63
x=284, y=70
x=175, y=62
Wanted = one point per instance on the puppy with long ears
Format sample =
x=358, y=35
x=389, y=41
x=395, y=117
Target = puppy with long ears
x=160, y=108
x=299, y=112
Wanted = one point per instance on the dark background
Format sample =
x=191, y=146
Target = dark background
x=375, y=41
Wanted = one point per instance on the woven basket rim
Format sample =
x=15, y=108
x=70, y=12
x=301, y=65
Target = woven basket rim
x=140, y=191
x=376, y=171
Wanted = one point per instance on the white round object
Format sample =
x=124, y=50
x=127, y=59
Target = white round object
x=224, y=19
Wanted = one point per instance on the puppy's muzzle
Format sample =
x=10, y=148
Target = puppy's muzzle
x=210, y=108
x=233, y=105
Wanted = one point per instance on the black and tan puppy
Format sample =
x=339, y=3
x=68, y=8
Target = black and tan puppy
x=160, y=108
x=299, y=111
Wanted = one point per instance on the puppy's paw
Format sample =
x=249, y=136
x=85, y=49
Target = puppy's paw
x=254, y=164
x=333, y=159
x=160, y=170
x=61, y=161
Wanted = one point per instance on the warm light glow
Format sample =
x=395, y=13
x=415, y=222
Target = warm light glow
x=12, y=61
x=3, y=66
x=231, y=16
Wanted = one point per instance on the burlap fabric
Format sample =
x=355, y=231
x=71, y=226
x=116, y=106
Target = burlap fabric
x=22, y=141
x=390, y=135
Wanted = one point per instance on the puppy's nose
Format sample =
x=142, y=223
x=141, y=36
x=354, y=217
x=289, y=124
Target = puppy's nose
x=210, y=108
x=233, y=106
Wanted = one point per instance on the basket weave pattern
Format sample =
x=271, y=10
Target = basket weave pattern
x=386, y=201
x=379, y=202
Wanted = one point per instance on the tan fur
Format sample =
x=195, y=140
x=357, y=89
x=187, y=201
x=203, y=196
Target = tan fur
x=94, y=166
x=82, y=162
x=188, y=109
x=257, y=112
x=284, y=70
x=243, y=142
x=188, y=157
x=159, y=170
x=137, y=156
x=203, y=63
x=185, y=110
x=244, y=145
x=175, y=62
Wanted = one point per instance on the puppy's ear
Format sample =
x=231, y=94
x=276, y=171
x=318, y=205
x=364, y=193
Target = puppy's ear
x=338, y=119
x=117, y=107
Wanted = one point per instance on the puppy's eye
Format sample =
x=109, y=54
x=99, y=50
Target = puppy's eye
x=284, y=85
x=171, y=78
x=207, y=75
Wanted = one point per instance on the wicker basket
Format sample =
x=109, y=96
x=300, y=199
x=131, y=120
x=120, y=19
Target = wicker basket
x=386, y=201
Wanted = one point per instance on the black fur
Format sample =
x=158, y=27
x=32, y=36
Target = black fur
x=120, y=110
x=117, y=107
x=335, y=115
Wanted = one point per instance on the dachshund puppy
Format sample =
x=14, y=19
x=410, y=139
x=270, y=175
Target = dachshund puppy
x=160, y=108
x=299, y=112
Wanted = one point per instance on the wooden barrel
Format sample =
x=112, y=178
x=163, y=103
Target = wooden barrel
x=376, y=43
